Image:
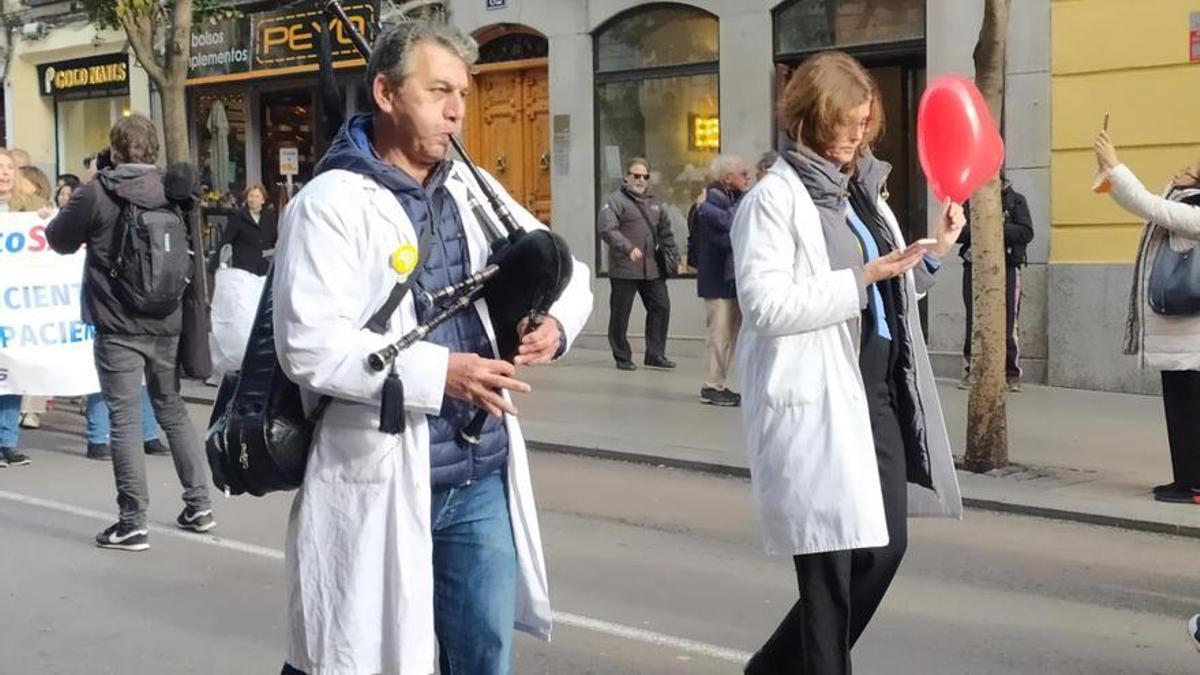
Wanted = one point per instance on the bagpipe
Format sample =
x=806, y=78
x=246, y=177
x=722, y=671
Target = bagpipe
x=259, y=436
x=525, y=273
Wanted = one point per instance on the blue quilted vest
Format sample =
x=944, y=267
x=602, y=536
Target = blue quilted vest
x=452, y=461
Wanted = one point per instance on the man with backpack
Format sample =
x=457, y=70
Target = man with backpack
x=139, y=263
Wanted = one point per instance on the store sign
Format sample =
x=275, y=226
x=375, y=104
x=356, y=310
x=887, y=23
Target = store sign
x=497, y=4
x=276, y=40
x=220, y=48
x=96, y=76
x=1194, y=38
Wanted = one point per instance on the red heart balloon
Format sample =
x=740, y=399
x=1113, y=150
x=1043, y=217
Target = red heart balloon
x=957, y=141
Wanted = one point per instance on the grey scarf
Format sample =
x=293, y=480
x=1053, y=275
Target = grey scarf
x=828, y=186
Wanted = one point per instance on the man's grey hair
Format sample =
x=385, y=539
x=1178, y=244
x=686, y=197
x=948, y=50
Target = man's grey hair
x=724, y=165
x=393, y=48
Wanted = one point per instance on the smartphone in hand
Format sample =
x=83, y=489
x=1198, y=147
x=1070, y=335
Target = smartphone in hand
x=927, y=244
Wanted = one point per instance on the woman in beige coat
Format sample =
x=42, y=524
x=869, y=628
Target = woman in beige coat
x=1167, y=343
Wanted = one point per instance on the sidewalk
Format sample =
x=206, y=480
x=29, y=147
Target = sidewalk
x=1080, y=455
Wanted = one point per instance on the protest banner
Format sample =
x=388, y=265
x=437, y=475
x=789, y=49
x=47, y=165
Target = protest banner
x=45, y=347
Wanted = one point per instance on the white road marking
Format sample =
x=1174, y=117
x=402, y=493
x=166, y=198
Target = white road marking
x=564, y=618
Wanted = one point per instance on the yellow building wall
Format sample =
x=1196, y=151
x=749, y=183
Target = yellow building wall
x=1128, y=58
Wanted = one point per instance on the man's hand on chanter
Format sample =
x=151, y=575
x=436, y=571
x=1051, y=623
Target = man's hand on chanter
x=478, y=381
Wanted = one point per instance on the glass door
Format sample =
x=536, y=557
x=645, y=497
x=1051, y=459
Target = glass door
x=288, y=120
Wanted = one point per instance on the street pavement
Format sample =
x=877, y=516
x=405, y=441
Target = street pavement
x=653, y=570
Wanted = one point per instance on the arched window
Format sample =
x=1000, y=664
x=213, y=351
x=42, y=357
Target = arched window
x=657, y=97
x=511, y=42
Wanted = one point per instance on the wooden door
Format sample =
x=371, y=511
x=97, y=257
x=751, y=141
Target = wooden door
x=508, y=130
x=537, y=142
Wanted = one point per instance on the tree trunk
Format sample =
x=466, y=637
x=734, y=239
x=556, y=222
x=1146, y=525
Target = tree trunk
x=175, y=132
x=168, y=74
x=987, y=426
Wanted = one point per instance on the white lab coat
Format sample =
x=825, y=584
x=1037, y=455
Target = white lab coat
x=358, y=549
x=808, y=432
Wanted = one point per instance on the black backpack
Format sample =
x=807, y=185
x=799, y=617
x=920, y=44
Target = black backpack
x=152, y=259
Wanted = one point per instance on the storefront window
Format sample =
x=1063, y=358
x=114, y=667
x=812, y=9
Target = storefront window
x=83, y=127
x=287, y=122
x=807, y=25
x=657, y=97
x=221, y=145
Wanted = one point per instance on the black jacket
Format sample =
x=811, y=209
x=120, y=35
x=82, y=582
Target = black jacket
x=714, y=251
x=91, y=219
x=1018, y=228
x=249, y=239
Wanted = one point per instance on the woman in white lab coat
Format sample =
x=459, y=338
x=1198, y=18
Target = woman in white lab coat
x=843, y=426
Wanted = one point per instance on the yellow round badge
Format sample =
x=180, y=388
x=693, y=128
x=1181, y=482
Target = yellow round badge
x=404, y=260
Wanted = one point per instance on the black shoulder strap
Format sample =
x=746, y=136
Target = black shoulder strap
x=653, y=225
x=379, y=321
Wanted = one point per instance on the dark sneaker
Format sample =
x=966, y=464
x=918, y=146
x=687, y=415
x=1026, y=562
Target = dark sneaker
x=722, y=397
x=1165, y=487
x=1179, y=495
x=1194, y=631
x=124, y=538
x=4, y=457
x=156, y=447
x=626, y=365
x=99, y=452
x=196, y=521
x=14, y=458
x=1014, y=386
x=659, y=362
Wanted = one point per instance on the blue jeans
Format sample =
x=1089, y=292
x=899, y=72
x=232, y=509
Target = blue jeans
x=475, y=578
x=98, y=424
x=10, y=420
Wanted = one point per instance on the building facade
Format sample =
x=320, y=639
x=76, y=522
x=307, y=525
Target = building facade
x=566, y=91
x=65, y=84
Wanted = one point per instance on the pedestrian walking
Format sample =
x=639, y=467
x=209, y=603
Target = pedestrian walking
x=714, y=273
x=843, y=426
x=1018, y=233
x=1163, y=324
x=134, y=341
x=641, y=255
x=406, y=549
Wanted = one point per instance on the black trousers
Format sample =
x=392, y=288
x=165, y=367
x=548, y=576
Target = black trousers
x=1012, y=363
x=840, y=590
x=658, y=316
x=1181, y=399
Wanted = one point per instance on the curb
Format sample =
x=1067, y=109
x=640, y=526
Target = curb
x=978, y=504
x=975, y=503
